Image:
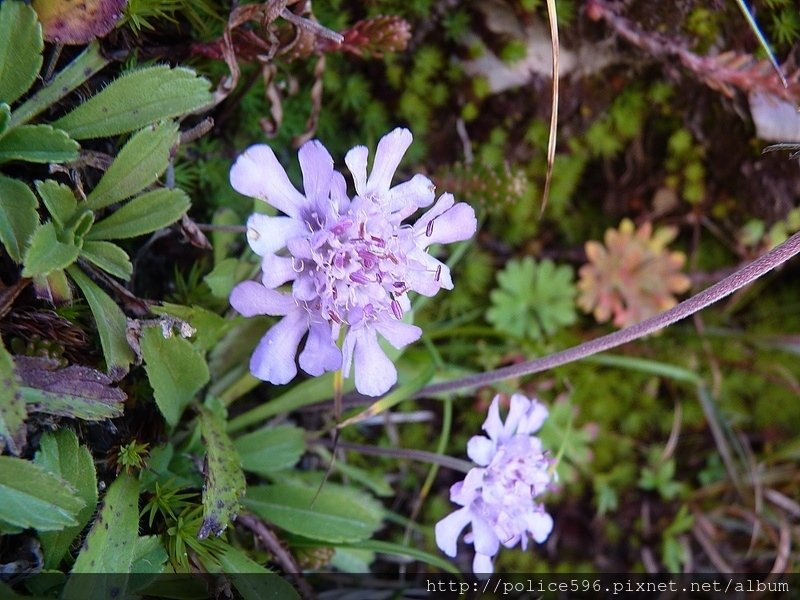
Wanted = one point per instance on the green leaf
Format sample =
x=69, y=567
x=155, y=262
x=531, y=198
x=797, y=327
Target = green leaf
x=32, y=497
x=140, y=162
x=176, y=371
x=72, y=406
x=60, y=454
x=253, y=581
x=47, y=253
x=5, y=117
x=271, y=449
x=18, y=216
x=149, y=555
x=12, y=405
x=21, y=48
x=225, y=481
x=225, y=275
x=110, y=547
x=147, y=213
x=109, y=257
x=111, y=324
x=89, y=62
x=137, y=99
x=404, y=551
x=329, y=518
x=59, y=200
x=209, y=326
x=37, y=144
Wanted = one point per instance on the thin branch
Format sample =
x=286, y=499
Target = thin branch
x=744, y=276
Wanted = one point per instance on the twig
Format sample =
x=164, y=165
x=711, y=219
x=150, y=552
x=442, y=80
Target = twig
x=282, y=556
x=744, y=276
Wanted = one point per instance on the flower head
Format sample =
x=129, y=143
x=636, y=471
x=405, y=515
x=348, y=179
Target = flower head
x=498, y=496
x=350, y=262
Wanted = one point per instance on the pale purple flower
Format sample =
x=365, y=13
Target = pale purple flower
x=498, y=497
x=350, y=262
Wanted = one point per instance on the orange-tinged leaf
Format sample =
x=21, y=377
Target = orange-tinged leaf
x=77, y=21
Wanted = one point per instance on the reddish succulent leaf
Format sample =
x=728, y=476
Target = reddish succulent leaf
x=77, y=21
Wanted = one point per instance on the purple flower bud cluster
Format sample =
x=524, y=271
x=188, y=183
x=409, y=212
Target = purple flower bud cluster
x=347, y=264
x=498, y=497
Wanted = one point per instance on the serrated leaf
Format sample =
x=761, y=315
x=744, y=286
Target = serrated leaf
x=12, y=405
x=329, y=518
x=271, y=449
x=144, y=214
x=110, y=547
x=18, y=216
x=21, y=48
x=225, y=482
x=47, y=253
x=32, y=497
x=109, y=257
x=37, y=144
x=252, y=580
x=140, y=162
x=111, y=324
x=62, y=455
x=59, y=200
x=67, y=22
x=176, y=372
x=137, y=99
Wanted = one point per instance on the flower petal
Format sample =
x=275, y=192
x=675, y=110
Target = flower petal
x=388, y=155
x=276, y=270
x=258, y=174
x=317, y=166
x=480, y=450
x=321, y=353
x=250, y=298
x=405, y=198
x=540, y=525
x=274, y=357
x=534, y=418
x=397, y=333
x=482, y=565
x=449, y=529
x=356, y=161
x=517, y=409
x=493, y=425
x=339, y=193
x=486, y=540
x=374, y=372
x=267, y=234
x=458, y=223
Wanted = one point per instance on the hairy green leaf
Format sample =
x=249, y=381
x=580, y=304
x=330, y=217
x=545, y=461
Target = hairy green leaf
x=18, y=216
x=110, y=545
x=329, y=518
x=175, y=370
x=37, y=144
x=59, y=200
x=12, y=405
x=111, y=324
x=137, y=99
x=144, y=214
x=109, y=257
x=62, y=455
x=271, y=449
x=21, y=48
x=32, y=497
x=225, y=481
x=5, y=117
x=47, y=253
x=140, y=162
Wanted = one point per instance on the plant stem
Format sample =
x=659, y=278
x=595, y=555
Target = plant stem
x=744, y=276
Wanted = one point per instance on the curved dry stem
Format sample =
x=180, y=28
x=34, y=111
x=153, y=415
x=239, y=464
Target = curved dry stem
x=744, y=276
